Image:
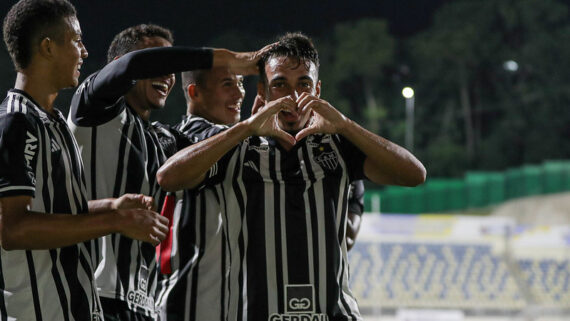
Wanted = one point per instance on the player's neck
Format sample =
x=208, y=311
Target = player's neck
x=38, y=88
x=134, y=102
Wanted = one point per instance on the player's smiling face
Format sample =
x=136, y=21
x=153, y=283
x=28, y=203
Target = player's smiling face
x=70, y=54
x=220, y=99
x=151, y=93
x=288, y=76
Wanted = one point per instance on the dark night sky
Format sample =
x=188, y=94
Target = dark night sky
x=195, y=23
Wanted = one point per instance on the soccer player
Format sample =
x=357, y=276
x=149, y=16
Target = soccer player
x=284, y=181
x=109, y=117
x=46, y=270
x=213, y=99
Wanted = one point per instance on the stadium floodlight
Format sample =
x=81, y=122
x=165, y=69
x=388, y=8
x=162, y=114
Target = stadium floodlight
x=511, y=65
x=408, y=94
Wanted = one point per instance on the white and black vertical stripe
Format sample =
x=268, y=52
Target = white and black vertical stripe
x=285, y=214
x=54, y=284
x=197, y=288
x=122, y=156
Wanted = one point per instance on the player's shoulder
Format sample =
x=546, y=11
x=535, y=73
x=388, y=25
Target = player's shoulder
x=196, y=124
x=163, y=130
x=19, y=107
x=85, y=84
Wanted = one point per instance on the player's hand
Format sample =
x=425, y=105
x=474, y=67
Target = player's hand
x=127, y=201
x=257, y=104
x=143, y=225
x=325, y=118
x=264, y=121
x=241, y=63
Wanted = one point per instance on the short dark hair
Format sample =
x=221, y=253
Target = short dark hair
x=30, y=21
x=291, y=45
x=128, y=39
x=197, y=77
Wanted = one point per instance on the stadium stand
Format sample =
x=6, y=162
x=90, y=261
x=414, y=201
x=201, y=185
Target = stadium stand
x=472, y=264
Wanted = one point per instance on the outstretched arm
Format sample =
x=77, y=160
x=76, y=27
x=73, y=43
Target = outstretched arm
x=21, y=228
x=385, y=162
x=188, y=167
x=94, y=100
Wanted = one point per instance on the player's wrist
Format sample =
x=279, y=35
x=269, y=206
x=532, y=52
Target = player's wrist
x=246, y=128
x=221, y=57
x=345, y=126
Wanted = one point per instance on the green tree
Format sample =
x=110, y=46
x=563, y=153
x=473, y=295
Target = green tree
x=354, y=78
x=503, y=117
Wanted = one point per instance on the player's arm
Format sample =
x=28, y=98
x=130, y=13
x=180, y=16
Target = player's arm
x=188, y=167
x=23, y=229
x=355, y=210
x=384, y=163
x=94, y=100
x=126, y=201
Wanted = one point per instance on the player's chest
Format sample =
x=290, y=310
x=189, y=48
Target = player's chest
x=314, y=160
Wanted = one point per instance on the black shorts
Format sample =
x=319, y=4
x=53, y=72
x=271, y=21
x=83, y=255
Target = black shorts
x=117, y=310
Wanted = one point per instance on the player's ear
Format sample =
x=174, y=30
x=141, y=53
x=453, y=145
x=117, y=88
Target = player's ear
x=192, y=91
x=45, y=48
x=318, y=89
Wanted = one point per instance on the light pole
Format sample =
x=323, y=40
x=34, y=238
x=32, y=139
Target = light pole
x=408, y=94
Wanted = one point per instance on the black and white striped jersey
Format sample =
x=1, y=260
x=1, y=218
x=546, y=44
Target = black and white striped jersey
x=197, y=288
x=40, y=158
x=122, y=154
x=285, y=217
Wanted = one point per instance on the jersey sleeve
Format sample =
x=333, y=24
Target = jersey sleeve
x=95, y=101
x=217, y=173
x=200, y=130
x=356, y=198
x=353, y=157
x=19, y=148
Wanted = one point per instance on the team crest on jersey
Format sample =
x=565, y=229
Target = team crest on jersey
x=328, y=160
